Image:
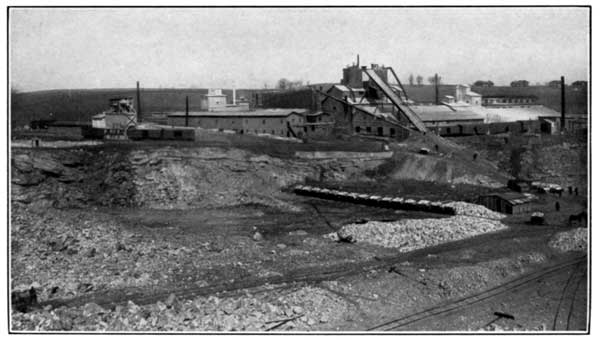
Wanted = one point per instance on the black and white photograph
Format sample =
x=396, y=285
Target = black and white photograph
x=296, y=170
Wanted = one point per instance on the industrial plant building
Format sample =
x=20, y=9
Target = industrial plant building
x=279, y=122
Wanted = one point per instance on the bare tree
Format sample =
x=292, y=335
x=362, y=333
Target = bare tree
x=283, y=84
x=419, y=80
x=411, y=80
x=431, y=79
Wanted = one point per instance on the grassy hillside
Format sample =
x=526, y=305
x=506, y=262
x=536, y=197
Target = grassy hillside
x=80, y=105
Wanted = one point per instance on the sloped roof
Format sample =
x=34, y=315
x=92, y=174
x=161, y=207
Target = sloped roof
x=514, y=198
x=432, y=113
x=514, y=113
x=257, y=113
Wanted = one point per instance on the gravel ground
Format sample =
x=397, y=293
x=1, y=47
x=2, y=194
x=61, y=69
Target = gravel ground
x=64, y=255
x=572, y=240
x=274, y=310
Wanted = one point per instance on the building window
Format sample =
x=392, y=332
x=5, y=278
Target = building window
x=305, y=129
x=272, y=132
x=368, y=129
x=312, y=127
x=263, y=122
x=357, y=129
x=177, y=133
x=392, y=132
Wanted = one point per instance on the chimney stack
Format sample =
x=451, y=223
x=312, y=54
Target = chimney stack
x=562, y=102
x=357, y=60
x=233, y=94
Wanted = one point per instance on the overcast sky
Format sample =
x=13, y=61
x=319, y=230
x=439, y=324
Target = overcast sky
x=199, y=47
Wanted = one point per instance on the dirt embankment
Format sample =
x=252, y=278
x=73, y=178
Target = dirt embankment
x=554, y=159
x=166, y=177
x=440, y=168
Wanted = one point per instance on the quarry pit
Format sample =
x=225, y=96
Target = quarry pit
x=206, y=237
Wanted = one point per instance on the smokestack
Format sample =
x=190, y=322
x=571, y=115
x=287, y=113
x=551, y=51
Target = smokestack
x=139, y=103
x=357, y=60
x=436, y=90
x=233, y=94
x=187, y=110
x=562, y=102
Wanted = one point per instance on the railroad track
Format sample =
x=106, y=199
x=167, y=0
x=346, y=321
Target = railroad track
x=470, y=300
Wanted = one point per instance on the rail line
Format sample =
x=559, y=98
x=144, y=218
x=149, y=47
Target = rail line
x=475, y=298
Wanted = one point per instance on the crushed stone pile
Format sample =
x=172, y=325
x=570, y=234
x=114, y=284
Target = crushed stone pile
x=572, y=240
x=300, y=310
x=411, y=234
x=475, y=210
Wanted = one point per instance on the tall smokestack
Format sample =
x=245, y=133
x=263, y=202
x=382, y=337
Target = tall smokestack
x=357, y=60
x=187, y=110
x=562, y=102
x=233, y=94
x=139, y=103
x=436, y=90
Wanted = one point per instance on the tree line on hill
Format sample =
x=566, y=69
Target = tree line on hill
x=418, y=81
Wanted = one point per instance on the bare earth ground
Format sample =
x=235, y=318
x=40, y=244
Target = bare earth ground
x=269, y=266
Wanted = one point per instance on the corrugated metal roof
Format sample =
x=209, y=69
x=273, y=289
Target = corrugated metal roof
x=257, y=113
x=432, y=113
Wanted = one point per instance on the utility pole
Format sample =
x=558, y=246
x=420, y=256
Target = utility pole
x=187, y=110
x=139, y=103
x=562, y=103
x=435, y=80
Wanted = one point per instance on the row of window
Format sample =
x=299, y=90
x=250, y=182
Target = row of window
x=264, y=121
x=509, y=100
x=392, y=131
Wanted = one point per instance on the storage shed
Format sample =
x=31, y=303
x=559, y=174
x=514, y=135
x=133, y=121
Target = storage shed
x=507, y=202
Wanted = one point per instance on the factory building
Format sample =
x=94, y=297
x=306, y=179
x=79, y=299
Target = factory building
x=279, y=122
x=438, y=116
x=115, y=122
x=509, y=100
x=216, y=101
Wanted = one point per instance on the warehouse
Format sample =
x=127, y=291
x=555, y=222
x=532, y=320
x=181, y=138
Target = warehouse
x=279, y=122
x=507, y=202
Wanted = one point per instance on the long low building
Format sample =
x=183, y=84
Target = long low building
x=442, y=115
x=279, y=122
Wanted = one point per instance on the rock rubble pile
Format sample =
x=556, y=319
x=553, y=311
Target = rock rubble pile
x=572, y=240
x=304, y=309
